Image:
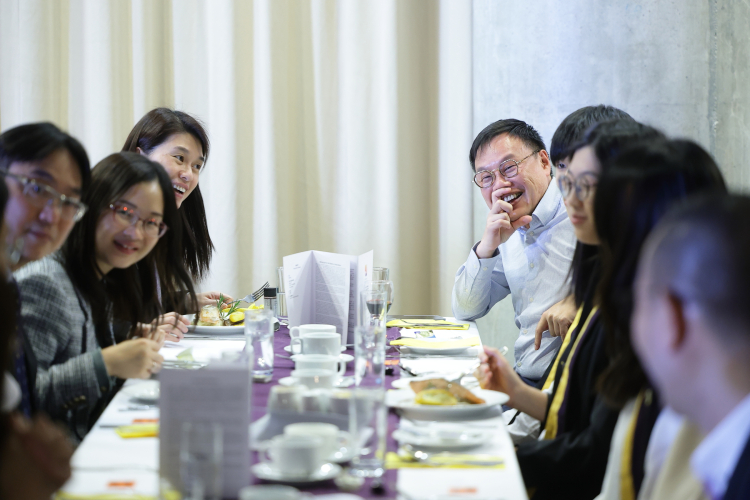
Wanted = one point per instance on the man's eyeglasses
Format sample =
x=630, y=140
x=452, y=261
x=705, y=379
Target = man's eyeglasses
x=583, y=185
x=507, y=169
x=42, y=195
x=126, y=216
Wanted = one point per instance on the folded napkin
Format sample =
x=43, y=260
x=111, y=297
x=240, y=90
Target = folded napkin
x=138, y=431
x=445, y=344
x=432, y=324
x=393, y=461
x=61, y=495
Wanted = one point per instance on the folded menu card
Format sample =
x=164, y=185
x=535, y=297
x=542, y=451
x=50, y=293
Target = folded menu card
x=324, y=288
x=219, y=393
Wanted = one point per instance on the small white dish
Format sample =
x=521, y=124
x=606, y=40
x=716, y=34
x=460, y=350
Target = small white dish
x=340, y=383
x=269, y=473
x=450, y=437
x=403, y=399
x=220, y=330
x=296, y=351
x=143, y=392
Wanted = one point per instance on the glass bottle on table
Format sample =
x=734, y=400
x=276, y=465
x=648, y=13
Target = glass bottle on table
x=367, y=410
x=259, y=343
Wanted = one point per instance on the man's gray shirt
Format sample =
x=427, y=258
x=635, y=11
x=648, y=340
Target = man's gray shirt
x=533, y=266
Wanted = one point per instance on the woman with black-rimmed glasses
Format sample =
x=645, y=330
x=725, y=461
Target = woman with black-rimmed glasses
x=71, y=299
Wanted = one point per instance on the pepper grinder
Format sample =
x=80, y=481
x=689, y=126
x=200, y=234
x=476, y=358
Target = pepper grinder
x=269, y=301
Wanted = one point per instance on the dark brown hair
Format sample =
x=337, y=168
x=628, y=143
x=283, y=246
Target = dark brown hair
x=153, y=129
x=129, y=294
x=635, y=191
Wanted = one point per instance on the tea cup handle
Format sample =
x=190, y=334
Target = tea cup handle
x=264, y=453
x=342, y=367
x=292, y=330
x=296, y=340
x=342, y=439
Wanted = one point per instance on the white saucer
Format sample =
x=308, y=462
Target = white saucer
x=437, y=436
x=269, y=473
x=341, y=456
x=143, y=392
x=289, y=350
x=342, y=382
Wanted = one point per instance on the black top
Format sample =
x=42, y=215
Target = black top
x=573, y=463
x=739, y=484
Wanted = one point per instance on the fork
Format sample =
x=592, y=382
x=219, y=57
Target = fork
x=255, y=295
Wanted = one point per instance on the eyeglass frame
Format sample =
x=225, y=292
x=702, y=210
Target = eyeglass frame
x=57, y=198
x=577, y=188
x=162, y=224
x=503, y=174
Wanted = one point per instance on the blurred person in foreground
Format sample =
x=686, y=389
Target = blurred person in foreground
x=691, y=331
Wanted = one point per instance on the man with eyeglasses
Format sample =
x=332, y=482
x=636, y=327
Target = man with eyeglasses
x=45, y=171
x=528, y=241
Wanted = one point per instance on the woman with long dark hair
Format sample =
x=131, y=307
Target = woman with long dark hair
x=179, y=143
x=107, y=271
x=637, y=190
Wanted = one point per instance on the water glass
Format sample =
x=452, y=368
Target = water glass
x=259, y=343
x=372, y=308
x=201, y=456
x=281, y=300
x=280, y=274
x=381, y=274
x=386, y=287
x=367, y=409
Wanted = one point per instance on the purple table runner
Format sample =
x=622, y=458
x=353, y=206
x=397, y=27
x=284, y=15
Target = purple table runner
x=283, y=368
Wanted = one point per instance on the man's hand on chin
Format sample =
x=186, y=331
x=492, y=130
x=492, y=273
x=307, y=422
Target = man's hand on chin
x=499, y=226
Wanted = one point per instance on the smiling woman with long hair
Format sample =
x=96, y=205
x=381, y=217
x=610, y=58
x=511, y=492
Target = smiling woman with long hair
x=179, y=143
x=106, y=272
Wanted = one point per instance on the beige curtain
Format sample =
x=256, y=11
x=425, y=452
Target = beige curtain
x=341, y=126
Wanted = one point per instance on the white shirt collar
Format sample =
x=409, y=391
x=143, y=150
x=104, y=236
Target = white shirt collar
x=715, y=459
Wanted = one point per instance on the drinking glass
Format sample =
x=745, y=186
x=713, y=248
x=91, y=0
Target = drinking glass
x=283, y=314
x=259, y=343
x=381, y=274
x=280, y=275
x=387, y=288
x=201, y=456
x=372, y=307
x=367, y=410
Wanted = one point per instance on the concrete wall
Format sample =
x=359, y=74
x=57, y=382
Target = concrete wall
x=680, y=65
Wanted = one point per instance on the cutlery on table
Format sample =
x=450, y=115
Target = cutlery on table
x=409, y=453
x=255, y=295
x=138, y=407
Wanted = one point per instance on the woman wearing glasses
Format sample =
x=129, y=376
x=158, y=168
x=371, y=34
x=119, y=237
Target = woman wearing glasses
x=179, y=143
x=70, y=299
x=577, y=425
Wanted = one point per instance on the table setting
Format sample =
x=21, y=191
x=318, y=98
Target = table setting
x=391, y=411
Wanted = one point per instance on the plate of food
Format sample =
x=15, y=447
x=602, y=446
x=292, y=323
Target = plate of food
x=439, y=398
x=226, y=320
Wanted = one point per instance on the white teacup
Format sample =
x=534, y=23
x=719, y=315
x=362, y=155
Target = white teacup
x=302, y=330
x=318, y=343
x=315, y=379
x=319, y=361
x=270, y=492
x=283, y=398
x=333, y=439
x=293, y=455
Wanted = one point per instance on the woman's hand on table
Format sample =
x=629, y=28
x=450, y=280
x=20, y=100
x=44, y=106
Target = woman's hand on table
x=172, y=325
x=495, y=373
x=136, y=358
x=210, y=299
x=557, y=319
x=35, y=459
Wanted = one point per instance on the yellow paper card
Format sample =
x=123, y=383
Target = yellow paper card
x=138, y=431
x=393, y=461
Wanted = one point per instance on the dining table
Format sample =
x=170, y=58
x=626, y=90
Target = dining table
x=108, y=466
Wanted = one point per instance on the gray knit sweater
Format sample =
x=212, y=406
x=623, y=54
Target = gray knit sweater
x=71, y=376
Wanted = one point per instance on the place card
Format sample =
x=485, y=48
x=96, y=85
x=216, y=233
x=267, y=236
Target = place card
x=219, y=393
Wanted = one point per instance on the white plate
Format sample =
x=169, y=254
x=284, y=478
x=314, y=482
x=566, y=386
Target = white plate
x=403, y=399
x=219, y=330
x=346, y=358
x=342, y=382
x=268, y=473
x=146, y=392
x=289, y=348
x=435, y=350
x=444, y=436
x=469, y=381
